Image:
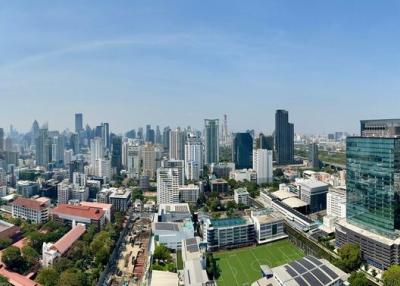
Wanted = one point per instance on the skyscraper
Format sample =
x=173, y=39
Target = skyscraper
x=96, y=150
x=242, y=150
x=193, y=157
x=165, y=139
x=373, y=194
x=42, y=148
x=105, y=135
x=57, y=149
x=116, y=154
x=177, y=144
x=1, y=139
x=78, y=122
x=211, y=140
x=264, y=142
x=313, y=155
x=284, y=138
x=262, y=164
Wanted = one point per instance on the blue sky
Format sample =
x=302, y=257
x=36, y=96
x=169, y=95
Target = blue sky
x=330, y=63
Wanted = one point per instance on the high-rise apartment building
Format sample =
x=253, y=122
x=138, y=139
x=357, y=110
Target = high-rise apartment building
x=177, y=144
x=105, y=135
x=116, y=154
x=313, y=155
x=211, y=140
x=284, y=138
x=78, y=122
x=96, y=150
x=42, y=148
x=167, y=185
x=149, y=160
x=1, y=139
x=242, y=150
x=193, y=157
x=262, y=164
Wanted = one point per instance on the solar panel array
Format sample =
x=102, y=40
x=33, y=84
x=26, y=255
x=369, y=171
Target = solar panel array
x=191, y=245
x=309, y=271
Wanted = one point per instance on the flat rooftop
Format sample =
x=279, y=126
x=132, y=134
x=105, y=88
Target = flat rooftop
x=283, y=194
x=294, y=202
x=226, y=222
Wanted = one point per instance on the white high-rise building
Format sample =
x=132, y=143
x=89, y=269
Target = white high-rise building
x=167, y=185
x=193, y=158
x=63, y=192
x=79, y=179
x=96, y=151
x=68, y=156
x=262, y=164
x=57, y=149
x=178, y=164
x=103, y=168
x=177, y=144
x=336, y=202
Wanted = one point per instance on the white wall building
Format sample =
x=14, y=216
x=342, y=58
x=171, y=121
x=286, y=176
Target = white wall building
x=262, y=165
x=242, y=175
x=241, y=196
x=193, y=158
x=167, y=185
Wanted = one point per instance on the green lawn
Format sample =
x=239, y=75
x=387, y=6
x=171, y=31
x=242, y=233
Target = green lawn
x=241, y=266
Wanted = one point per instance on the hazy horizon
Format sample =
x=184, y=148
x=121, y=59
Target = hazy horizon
x=132, y=63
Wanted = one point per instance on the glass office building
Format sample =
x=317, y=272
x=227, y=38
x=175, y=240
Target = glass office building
x=373, y=183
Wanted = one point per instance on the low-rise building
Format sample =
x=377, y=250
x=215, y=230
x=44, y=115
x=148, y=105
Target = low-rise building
x=171, y=234
x=27, y=189
x=228, y=233
x=173, y=212
x=194, y=263
x=35, y=210
x=219, y=186
x=241, y=196
x=243, y=175
x=107, y=208
x=51, y=251
x=189, y=193
x=268, y=225
x=80, y=214
x=314, y=194
x=303, y=272
x=8, y=230
x=120, y=199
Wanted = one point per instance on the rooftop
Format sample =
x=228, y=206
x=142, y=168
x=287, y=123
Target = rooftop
x=294, y=202
x=309, y=271
x=96, y=205
x=226, y=222
x=312, y=183
x=241, y=191
x=163, y=278
x=37, y=205
x=283, y=194
x=79, y=211
x=5, y=225
x=120, y=193
x=17, y=279
x=65, y=242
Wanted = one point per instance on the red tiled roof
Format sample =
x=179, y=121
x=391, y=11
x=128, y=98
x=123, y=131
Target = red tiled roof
x=65, y=242
x=29, y=203
x=79, y=211
x=17, y=279
x=96, y=205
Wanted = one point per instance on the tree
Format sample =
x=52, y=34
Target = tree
x=5, y=242
x=12, y=258
x=30, y=255
x=4, y=281
x=47, y=277
x=61, y=264
x=350, y=257
x=358, y=279
x=391, y=277
x=213, y=269
x=72, y=277
x=162, y=253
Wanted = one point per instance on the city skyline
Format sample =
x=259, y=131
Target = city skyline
x=129, y=63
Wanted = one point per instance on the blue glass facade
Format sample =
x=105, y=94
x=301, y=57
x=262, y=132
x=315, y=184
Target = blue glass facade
x=373, y=183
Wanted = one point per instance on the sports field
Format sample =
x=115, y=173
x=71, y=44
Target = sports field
x=241, y=266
